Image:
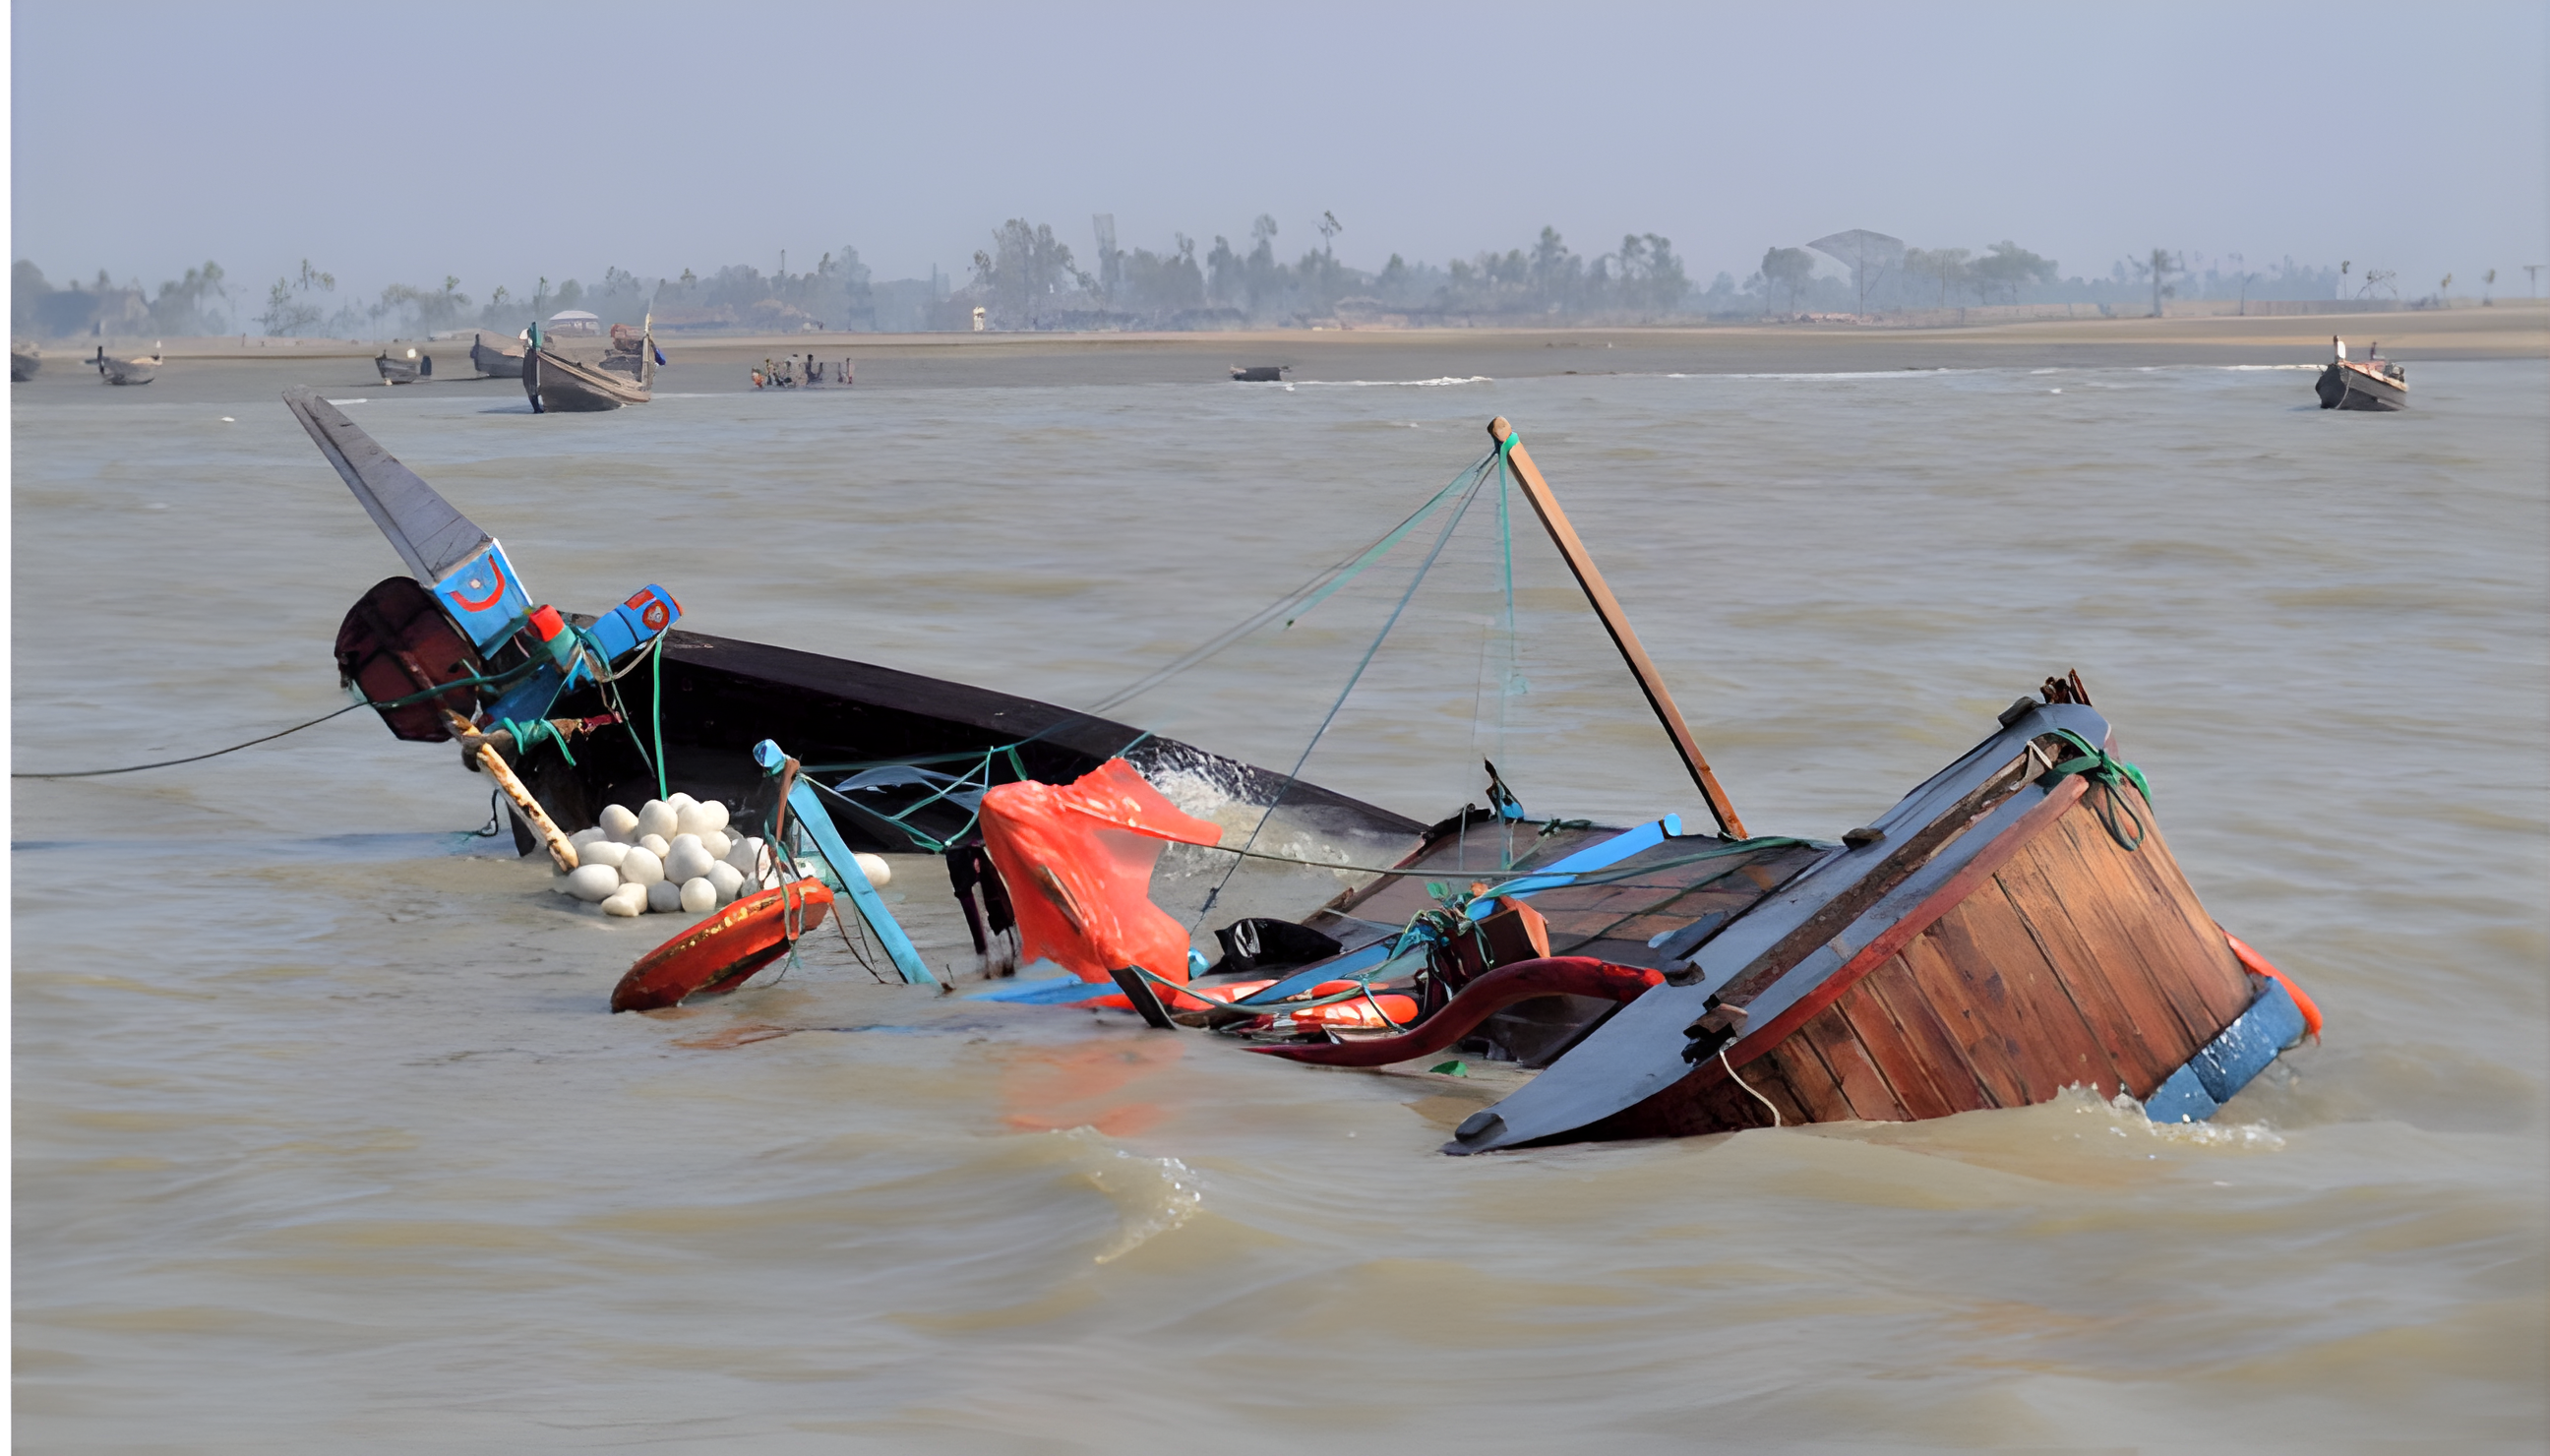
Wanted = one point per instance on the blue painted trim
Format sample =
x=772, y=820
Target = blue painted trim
x=2230, y=1061
x=1045, y=991
x=1603, y=855
x=2181, y=1099
x=827, y=841
x=1335, y=968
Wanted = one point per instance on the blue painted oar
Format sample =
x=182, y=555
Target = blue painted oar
x=817, y=826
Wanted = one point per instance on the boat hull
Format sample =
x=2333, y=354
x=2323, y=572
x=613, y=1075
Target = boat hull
x=24, y=365
x=567, y=387
x=2346, y=385
x=720, y=695
x=495, y=363
x=2075, y=963
x=1986, y=943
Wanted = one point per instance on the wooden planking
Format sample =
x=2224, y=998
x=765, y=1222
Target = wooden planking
x=1818, y=1096
x=2151, y=915
x=1836, y=1045
x=2216, y=972
x=2094, y=893
x=1973, y=1017
x=2056, y=1048
x=1904, y=1060
x=2125, y=1010
x=1927, y=1028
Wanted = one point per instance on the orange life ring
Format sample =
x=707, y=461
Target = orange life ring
x=2250, y=958
x=720, y=953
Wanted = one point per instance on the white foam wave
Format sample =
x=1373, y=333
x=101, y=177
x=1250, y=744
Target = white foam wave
x=1152, y=1197
x=1447, y=379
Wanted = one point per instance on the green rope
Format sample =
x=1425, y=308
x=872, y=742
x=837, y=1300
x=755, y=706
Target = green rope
x=1381, y=547
x=529, y=733
x=663, y=790
x=2106, y=774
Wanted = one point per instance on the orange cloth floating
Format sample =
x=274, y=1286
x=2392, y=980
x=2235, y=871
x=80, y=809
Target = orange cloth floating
x=1077, y=860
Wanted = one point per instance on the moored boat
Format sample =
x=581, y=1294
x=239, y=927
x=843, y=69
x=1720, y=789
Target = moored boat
x=25, y=359
x=137, y=370
x=2372, y=383
x=625, y=375
x=405, y=366
x=495, y=357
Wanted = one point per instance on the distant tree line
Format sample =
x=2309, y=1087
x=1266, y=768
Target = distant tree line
x=1028, y=277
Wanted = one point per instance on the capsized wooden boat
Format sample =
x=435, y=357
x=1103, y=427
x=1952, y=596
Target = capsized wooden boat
x=495, y=357
x=404, y=366
x=2013, y=927
x=903, y=758
x=2372, y=383
x=138, y=371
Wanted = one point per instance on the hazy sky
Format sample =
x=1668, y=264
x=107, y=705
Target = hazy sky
x=500, y=141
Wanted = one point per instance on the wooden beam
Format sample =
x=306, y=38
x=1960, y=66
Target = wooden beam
x=524, y=804
x=1617, y=623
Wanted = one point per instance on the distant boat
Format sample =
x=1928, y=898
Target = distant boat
x=404, y=369
x=2372, y=383
x=495, y=357
x=624, y=376
x=125, y=372
x=1259, y=373
x=24, y=361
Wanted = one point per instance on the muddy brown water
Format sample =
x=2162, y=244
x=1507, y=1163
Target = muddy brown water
x=324, y=1140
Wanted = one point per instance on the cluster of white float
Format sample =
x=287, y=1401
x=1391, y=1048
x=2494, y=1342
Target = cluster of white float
x=675, y=854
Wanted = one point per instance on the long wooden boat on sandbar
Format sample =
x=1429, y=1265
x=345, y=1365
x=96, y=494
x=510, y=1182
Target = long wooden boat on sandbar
x=625, y=375
x=2013, y=926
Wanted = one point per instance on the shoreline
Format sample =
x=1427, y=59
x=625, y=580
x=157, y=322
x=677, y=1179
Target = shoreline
x=895, y=360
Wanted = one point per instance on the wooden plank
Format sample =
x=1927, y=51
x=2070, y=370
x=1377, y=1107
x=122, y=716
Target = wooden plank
x=1872, y=1099
x=1815, y=1086
x=2056, y=1048
x=2100, y=895
x=2119, y=1009
x=1977, y=1006
x=1617, y=623
x=2215, y=972
x=1959, y=1087
x=1901, y=1061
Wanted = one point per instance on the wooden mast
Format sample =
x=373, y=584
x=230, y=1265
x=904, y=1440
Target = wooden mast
x=1617, y=623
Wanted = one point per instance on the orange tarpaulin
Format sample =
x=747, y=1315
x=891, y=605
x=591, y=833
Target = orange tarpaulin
x=1077, y=860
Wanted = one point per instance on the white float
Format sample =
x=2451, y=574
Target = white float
x=717, y=844
x=628, y=899
x=686, y=859
x=698, y=896
x=617, y=823
x=642, y=866
x=659, y=818
x=663, y=897
x=603, y=851
x=593, y=883
x=879, y=873
x=728, y=881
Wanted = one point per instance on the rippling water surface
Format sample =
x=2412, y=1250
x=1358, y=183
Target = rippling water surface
x=324, y=1142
